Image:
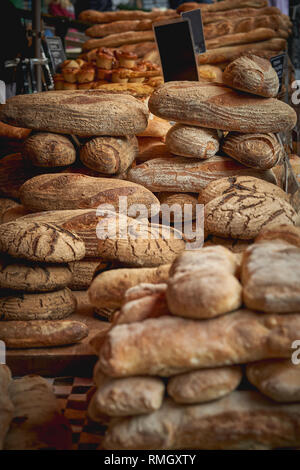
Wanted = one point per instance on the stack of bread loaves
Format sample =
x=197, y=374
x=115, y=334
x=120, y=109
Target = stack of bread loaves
x=170, y=364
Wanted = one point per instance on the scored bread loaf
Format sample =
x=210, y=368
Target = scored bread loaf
x=101, y=30
x=37, y=422
x=192, y=141
x=287, y=233
x=6, y=406
x=40, y=242
x=42, y=334
x=242, y=185
x=270, y=277
x=119, y=39
x=33, y=277
x=84, y=113
x=193, y=276
x=278, y=379
x=44, y=149
x=189, y=175
x=171, y=345
x=260, y=151
x=44, y=306
x=215, y=106
x=204, y=385
x=83, y=271
x=108, y=287
x=109, y=155
x=66, y=191
x=237, y=215
x=252, y=74
x=239, y=421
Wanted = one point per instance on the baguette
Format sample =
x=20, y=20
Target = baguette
x=259, y=34
x=231, y=4
x=237, y=13
x=119, y=39
x=93, y=16
x=102, y=30
x=6, y=406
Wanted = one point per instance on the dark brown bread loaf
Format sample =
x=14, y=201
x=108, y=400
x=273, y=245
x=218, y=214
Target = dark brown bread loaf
x=42, y=334
x=14, y=171
x=44, y=149
x=109, y=155
x=260, y=151
x=84, y=113
x=215, y=106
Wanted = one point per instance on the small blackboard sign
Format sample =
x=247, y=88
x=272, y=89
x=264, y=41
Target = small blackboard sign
x=150, y=4
x=197, y=29
x=176, y=49
x=278, y=63
x=55, y=52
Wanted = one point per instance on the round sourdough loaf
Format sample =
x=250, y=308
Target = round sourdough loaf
x=33, y=277
x=41, y=334
x=64, y=191
x=243, y=216
x=40, y=242
x=84, y=113
x=246, y=185
x=43, y=306
x=44, y=149
x=192, y=141
x=261, y=151
x=252, y=74
x=217, y=107
x=109, y=155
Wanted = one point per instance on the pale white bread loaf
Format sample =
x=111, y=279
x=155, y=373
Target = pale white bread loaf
x=215, y=106
x=277, y=379
x=168, y=345
x=6, y=406
x=179, y=174
x=243, y=216
x=208, y=427
x=192, y=141
x=37, y=422
x=261, y=151
x=192, y=283
x=271, y=277
x=205, y=385
x=84, y=113
x=252, y=74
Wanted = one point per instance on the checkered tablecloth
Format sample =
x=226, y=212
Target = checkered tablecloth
x=72, y=396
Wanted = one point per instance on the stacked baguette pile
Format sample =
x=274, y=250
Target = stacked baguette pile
x=30, y=418
x=170, y=364
x=231, y=27
x=241, y=127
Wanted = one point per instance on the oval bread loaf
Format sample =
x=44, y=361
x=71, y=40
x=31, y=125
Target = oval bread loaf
x=40, y=242
x=84, y=113
x=192, y=141
x=261, y=151
x=217, y=107
x=252, y=74
x=44, y=149
x=75, y=191
x=243, y=216
x=44, y=306
x=109, y=155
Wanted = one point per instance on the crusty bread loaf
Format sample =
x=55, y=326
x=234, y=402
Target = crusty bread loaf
x=55, y=305
x=204, y=385
x=83, y=271
x=14, y=213
x=93, y=16
x=122, y=26
x=189, y=175
x=238, y=13
x=243, y=216
x=242, y=185
x=33, y=277
x=12, y=132
x=5, y=205
x=109, y=155
x=108, y=288
x=49, y=150
x=261, y=151
x=14, y=171
x=252, y=74
x=287, y=233
x=193, y=276
x=258, y=34
x=192, y=141
x=6, y=406
x=41, y=334
x=171, y=345
x=119, y=39
x=84, y=113
x=151, y=150
x=270, y=277
x=40, y=242
x=37, y=422
x=215, y=106
x=278, y=379
x=239, y=421
x=183, y=206
x=63, y=191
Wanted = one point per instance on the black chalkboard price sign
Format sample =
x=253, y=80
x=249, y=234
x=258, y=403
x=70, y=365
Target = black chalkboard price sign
x=197, y=29
x=55, y=52
x=279, y=63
